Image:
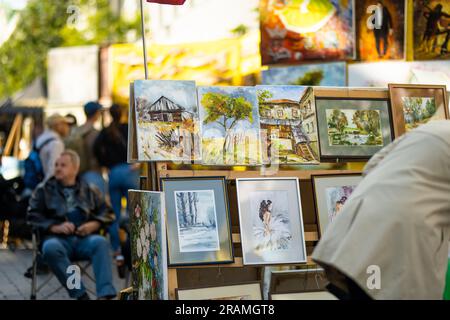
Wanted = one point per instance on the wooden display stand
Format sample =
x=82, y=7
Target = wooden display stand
x=211, y=275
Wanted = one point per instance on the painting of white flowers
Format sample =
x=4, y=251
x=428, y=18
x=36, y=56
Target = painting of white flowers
x=197, y=221
x=271, y=221
x=148, y=244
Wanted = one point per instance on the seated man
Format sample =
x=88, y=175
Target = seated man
x=69, y=213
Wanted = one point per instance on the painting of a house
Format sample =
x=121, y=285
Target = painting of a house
x=288, y=123
x=168, y=127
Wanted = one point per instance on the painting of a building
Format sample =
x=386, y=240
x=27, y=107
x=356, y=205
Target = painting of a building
x=289, y=123
x=163, y=110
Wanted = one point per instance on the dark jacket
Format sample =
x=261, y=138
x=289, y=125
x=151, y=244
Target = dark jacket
x=110, y=147
x=48, y=205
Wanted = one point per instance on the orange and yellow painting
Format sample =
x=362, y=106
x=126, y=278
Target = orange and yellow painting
x=300, y=30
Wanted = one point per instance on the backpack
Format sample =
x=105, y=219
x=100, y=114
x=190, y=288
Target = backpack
x=76, y=142
x=34, y=171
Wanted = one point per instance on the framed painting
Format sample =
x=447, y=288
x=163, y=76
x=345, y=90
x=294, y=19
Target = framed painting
x=431, y=29
x=381, y=29
x=230, y=126
x=413, y=105
x=244, y=291
x=354, y=125
x=198, y=221
x=308, y=295
x=167, y=121
x=288, y=125
x=271, y=221
x=317, y=74
x=148, y=244
x=330, y=194
x=295, y=31
x=302, y=279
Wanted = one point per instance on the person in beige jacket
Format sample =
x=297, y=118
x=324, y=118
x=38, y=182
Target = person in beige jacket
x=391, y=239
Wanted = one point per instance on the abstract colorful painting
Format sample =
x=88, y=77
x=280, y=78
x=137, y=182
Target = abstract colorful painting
x=288, y=124
x=380, y=29
x=230, y=126
x=299, y=30
x=167, y=123
x=431, y=29
x=148, y=244
x=324, y=74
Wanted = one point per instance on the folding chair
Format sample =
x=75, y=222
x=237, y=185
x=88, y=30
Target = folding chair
x=37, y=246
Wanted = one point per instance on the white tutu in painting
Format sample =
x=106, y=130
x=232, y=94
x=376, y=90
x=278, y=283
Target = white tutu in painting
x=271, y=231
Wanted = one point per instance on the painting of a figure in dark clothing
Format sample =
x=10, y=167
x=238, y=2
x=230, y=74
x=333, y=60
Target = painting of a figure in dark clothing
x=381, y=29
x=431, y=29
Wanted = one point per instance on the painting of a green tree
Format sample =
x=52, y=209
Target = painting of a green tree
x=418, y=110
x=230, y=121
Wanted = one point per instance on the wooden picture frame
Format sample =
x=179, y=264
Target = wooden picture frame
x=253, y=224
x=227, y=292
x=297, y=280
x=319, y=199
x=303, y=295
x=213, y=192
x=399, y=92
x=350, y=100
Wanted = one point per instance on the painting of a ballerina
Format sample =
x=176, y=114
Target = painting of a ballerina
x=271, y=222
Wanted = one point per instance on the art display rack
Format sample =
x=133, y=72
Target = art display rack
x=169, y=170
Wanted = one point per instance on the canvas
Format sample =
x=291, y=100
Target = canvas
x=167, y=122
x=413, y=105
x=148, y=244
x=293, y=31
x=380, y=29
x=431, y=29
x=288, y=124
x=245, y=291
x=331, y=192
x=271, y=222
x=324, y=74
x=198, y=227
x=352, y=128
x=230, y=126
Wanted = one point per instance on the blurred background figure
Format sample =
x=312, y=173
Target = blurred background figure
x=110, y=148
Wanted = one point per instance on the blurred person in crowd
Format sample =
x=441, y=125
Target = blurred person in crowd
x=396, y=221
x=110, y=149
x=81, y=140
x=69, y=214
x=50, y=142
x=73, y=122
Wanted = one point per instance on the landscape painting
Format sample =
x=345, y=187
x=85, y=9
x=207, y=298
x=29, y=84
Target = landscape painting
x=230, y=126
x=324, y=74
x=167, y=122
x=380, y=29
x=148, y=245
x=197, y=221
x=294, y=31
x=431, y=29
x=418, y=110
x=288, y=124
x=354, y=127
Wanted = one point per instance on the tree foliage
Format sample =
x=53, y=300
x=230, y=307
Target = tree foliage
x=44, y=24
